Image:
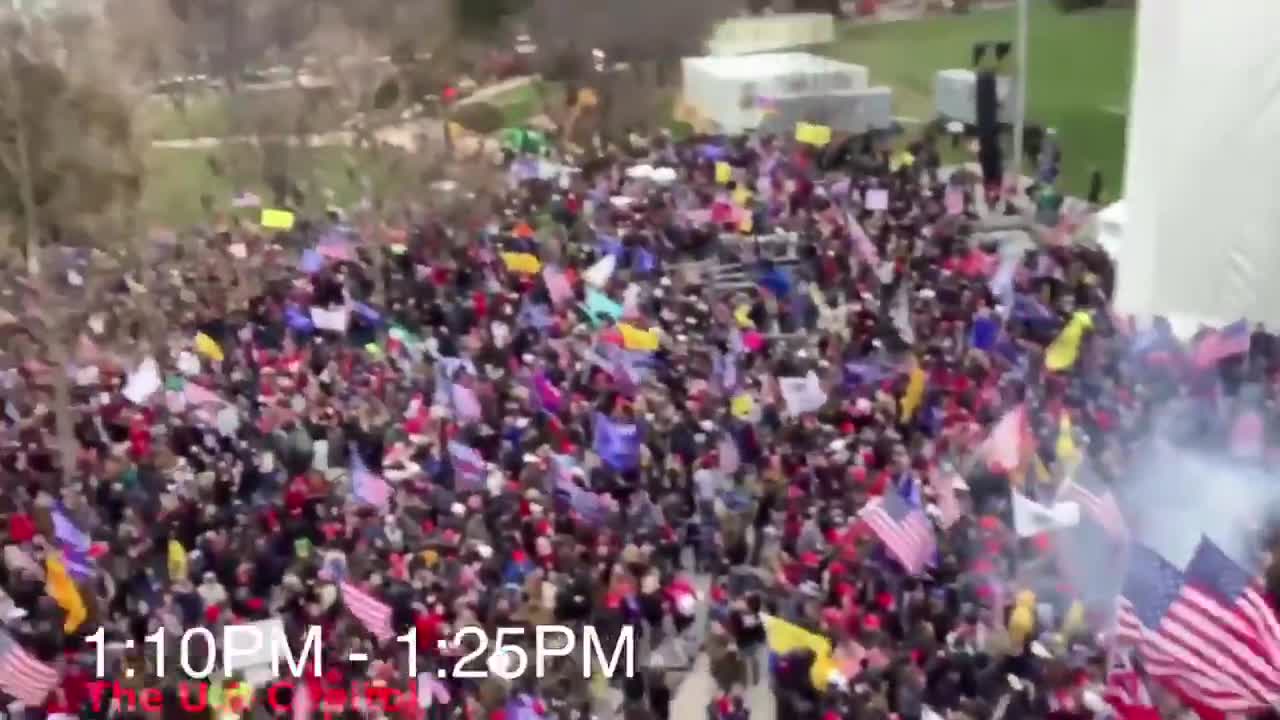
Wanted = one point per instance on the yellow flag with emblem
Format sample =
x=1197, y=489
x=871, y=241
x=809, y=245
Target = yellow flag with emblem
x=784, y=637
x=177, y=561
x=633, y=338
x=524, y=263
x=60, y=587
x=914, y=393
x=1065, y=447
x=208, y=347
x=1064, y=350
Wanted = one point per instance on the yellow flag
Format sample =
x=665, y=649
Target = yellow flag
x=816, y=135
x=784, y=637
x=742, y=406
x=1066, y=445
x=525, y=263
x=914, y=393
x=742, y=314
x=724, y=173
x=209, y=347
x=1074, y=622
x=177, y=561
x=276, y=219
x=901, y=160
x=1062, y=354
x=59, y=586
x=633, y=338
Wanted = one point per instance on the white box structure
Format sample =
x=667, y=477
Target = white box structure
x=729, y=90
x=955, y=96
x=740, y=36
x=1202, y=235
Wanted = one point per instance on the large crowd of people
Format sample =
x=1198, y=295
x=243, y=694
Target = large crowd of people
x=570, y=412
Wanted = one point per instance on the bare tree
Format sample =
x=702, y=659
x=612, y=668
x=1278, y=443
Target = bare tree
x=582, y=40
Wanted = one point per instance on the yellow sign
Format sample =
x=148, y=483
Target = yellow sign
x=276, y=219
x=742, y=406
x=724, y=173
x=816, y=135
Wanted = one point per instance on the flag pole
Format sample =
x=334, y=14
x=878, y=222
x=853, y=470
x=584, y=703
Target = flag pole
x=1020, y=92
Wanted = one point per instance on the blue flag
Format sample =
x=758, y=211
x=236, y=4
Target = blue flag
x=643, y=261
x=618, y=444
x=366, y=312
x=534, y=315
x=468, y=466
x=776, y=282
x=296, y=320
x=312, y=262
x=984, y=333
x=74, y=544
x=367, y=486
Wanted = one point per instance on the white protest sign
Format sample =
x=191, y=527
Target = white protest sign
x=802, y=394
x=877, y=199
x=335, y=320
x=143, y=382
x=258, y=647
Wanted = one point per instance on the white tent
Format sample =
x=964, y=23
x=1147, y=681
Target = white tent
x=728, y=89
x=1201, y=240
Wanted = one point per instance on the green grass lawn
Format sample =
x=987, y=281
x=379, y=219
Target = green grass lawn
x=1079, y=80
x=176, y=179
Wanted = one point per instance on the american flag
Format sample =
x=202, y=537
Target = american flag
x=1239, y=593
x=367, y=486
x=22, y=675
x=1220, y=344
x=1101, y=508
x=1126, y=691
x=1178, y=631
x=905, y=530
x=374, y=614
